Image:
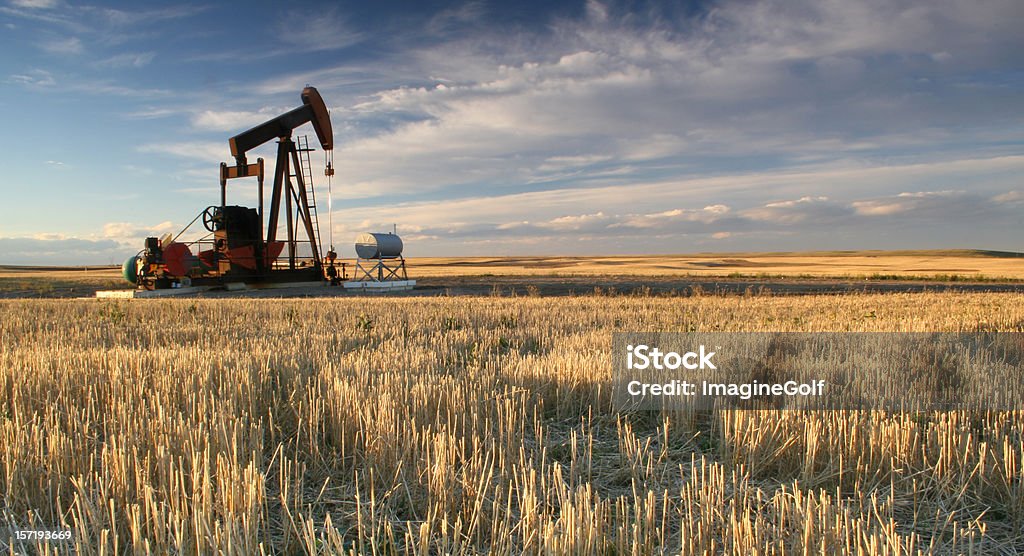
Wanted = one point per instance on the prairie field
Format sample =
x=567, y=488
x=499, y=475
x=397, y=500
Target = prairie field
x=966, y=268
x=941, y=265
x=472, y=425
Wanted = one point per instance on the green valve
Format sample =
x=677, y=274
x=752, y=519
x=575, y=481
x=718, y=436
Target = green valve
x=130, y=269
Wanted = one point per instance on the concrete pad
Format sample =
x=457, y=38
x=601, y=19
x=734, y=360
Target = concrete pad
x=387, y=286
x=142, y=294
x=116, y=294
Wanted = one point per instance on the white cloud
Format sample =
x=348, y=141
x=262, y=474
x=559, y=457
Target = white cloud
x=1009, y=197
x=127, y=60
x=206, y=151
x=673, y=217
x=40, y=78
x=33, y=78
x=797, y=202
x=151, y=113
x=805, y=210
x=117, y=18
x=457, y=17
x=233, y=121
x=62, y=250
x=322, y=29
x=559, y=163
x=929, y=194
x=715, y=208
x=807, y=82
x=105, y=25
x=35, y=4
x=123, y=231
x=878, y=208
x=941, y=207
x=69, y=45
x=576, y=222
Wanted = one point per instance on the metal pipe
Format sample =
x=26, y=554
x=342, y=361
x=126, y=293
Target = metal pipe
x=261, y=257
x=288, y=210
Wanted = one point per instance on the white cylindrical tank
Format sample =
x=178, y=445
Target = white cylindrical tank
x=378, y=246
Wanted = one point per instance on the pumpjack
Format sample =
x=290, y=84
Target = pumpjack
x=239, y=247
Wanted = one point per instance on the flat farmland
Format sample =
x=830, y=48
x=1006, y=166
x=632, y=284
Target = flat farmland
x=472, y=425
x=781, y=273
x=940, y=264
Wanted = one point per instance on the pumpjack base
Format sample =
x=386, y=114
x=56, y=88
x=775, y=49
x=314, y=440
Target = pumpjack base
x=140, y=294
x=388, y=286
x=266, y=279
x=242, y=286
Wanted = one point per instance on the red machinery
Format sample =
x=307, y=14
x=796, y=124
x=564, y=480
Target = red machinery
x=239, y=251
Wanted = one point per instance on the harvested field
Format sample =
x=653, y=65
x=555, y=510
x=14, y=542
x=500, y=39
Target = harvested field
x=778, y=273
x=473, y=425
x=939, y=264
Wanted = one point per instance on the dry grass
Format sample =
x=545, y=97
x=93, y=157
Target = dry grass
x=939, y=265
x=471, y=425
x=960, y=264
x=66, y=273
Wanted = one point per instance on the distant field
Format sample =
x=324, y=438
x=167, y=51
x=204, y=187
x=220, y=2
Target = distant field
x=950, y=266
x=71, y=272
x=881, y=264
x=36, y=281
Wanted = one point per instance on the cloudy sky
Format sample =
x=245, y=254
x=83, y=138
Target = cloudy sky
x=495, y=127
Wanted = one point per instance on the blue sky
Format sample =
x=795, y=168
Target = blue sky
x=497, y=128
